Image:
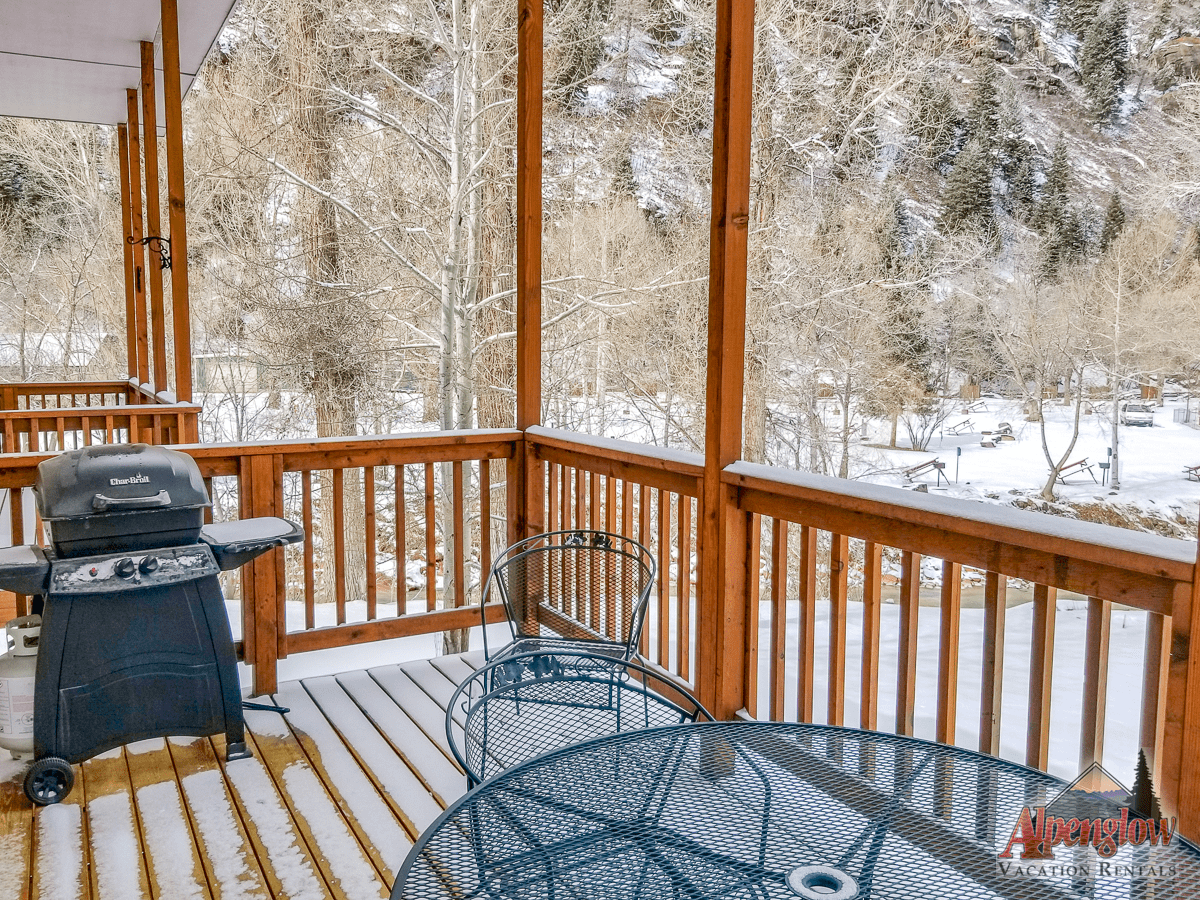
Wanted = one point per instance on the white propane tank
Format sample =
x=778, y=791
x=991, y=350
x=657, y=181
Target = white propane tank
x=17, y=668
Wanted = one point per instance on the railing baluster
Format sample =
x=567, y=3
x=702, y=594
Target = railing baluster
x=430, y=543
x=906, y=663
x=553, y=523
x=564, y=506
x=460, y=533
x=16, y=506
x=339, y=545
x=839, y=570
x=1095, y=682
x=208, y=510
x=485, y=521
x=401, y=553
x=951, y=618
x=643, y=537
x=683, y=589
x=60, y=429
x=872, y=607
x=1041, y=672
x=369, y=535
x=310, y=581
x=580, y=502
x=779, y=534
x=808, y=623
x=664, y=579
x=753, y=598
x=610, y=504
x=593, y=501
x=995, y=605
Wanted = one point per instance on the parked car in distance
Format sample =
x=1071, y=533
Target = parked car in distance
x=1137, y=413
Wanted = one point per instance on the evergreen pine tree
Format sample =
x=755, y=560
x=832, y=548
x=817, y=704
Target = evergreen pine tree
x=967, y=200
x=1021, y=189
x=1104, y=61
x=1142, y=801
x=1015, y=159
x=1053, y=202
x=983, y=114
x=1114, y=221
x=1077, y=16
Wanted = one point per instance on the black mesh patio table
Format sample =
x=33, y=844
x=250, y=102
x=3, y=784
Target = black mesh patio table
x=769, y=810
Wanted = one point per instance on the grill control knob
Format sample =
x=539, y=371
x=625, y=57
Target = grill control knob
x=125, y=567
x=148, y=564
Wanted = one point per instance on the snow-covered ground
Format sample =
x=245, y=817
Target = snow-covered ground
x=1151, y=459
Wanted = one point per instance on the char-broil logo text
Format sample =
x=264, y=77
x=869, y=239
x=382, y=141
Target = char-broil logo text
x=139, y=478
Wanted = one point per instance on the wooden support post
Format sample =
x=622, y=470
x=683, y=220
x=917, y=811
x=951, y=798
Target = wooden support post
x=135, y=233
x=181, y=315
x=721, y=638
x=131, y=347
x=529, y=256
x=1179, y=784
x=158, y=318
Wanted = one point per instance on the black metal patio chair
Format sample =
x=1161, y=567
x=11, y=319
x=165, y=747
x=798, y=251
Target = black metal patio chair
x=520, y=706
x=572, y=590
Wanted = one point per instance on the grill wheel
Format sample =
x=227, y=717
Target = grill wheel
x=49, y=780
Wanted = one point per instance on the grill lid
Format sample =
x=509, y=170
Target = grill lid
x=118, y=478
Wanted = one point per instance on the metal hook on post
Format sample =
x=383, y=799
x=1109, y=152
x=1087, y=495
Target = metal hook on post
x=160, y=245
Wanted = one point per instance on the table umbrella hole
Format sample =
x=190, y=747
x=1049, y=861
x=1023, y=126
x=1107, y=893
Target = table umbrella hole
x=822, y=883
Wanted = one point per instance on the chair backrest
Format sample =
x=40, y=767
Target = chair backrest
x=519, y=706
x=586, y=586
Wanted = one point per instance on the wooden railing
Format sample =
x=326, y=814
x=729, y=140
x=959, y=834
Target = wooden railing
x=75, y=395
x=52, y=429
x=69, y=415
x=375, y=507
x=371, y=508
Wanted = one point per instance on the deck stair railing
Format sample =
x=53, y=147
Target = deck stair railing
x=55, y=416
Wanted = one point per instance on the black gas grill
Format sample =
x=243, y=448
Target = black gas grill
x=135, y=640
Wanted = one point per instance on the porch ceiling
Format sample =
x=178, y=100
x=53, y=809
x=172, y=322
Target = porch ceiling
x=72, y=60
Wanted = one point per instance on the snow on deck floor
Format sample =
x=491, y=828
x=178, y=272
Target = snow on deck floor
x=304, y=818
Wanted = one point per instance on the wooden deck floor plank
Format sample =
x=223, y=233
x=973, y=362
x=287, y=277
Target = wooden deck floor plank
x=173, y=857
x=230, y=862
x=441, y=777
x=118, y=854
x=396, y=782
x=320, y=822
x=282, y=853
x=342, y=759
x=60, y=863
x=16, y=831
x=417, y=705
x=436, y=685
x=454, y=668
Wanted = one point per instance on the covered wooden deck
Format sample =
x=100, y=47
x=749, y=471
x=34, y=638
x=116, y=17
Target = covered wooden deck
x=329, y=806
